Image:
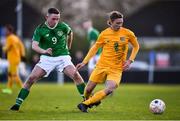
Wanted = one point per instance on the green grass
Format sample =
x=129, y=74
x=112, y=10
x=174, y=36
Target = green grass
x=128, y=102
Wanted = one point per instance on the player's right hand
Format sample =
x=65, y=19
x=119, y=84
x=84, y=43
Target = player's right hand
x=48, y=51
x=79, y=66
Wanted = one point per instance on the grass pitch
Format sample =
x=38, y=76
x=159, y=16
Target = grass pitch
x=128, y=102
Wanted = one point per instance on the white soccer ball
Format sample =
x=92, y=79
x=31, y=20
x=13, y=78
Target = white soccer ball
x=157, y=106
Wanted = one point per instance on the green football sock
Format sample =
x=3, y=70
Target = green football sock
x=81, y=88
x=22, y=96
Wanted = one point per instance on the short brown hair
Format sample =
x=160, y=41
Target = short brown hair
x=114, y=15
x=9, y=27
x=53, y=11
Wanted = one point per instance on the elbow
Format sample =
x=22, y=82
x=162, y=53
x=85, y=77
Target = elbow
x=33, y=47
x=137, y=47
x=95, y=47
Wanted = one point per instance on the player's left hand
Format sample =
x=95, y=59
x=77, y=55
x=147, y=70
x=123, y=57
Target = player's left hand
x=79, y=66
x=126, y=65
x=49, y=51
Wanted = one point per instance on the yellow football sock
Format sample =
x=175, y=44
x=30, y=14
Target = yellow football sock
x=96, y=97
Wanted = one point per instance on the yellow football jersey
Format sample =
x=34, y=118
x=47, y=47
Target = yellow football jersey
x=114, y=46
x=14, y=49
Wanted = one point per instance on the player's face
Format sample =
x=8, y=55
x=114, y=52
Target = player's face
x=87, y=25
x=53, y=19
x=7, y=32
x=117, y=24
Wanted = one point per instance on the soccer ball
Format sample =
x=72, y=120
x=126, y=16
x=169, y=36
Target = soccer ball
x=157, y=106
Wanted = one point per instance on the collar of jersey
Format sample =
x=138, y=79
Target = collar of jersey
x=49, y=26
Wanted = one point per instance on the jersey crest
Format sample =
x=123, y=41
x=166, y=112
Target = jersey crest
x=60, y=33
x=122, y=39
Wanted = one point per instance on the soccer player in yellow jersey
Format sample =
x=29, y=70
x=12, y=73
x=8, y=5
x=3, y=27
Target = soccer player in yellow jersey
x=114, y=43
x=15, y=50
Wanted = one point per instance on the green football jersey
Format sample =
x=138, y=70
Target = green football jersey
x=55, y=38
x=92, y=37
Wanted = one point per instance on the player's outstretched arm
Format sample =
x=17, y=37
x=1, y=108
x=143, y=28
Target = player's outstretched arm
x=91, y=53
x=80, y=65
x=135, y=49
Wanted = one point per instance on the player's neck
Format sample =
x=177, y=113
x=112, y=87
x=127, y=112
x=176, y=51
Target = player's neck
x=8, y=34
x=50, y=27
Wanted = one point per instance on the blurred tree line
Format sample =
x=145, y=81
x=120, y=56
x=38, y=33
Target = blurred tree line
x=74, y=12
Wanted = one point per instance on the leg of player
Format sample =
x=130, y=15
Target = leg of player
x=98, y=96
x=8, y=90
x=35, y=75
x=89, y=89
x=12, y=70
x=15, y=75
x=18, y=80
x=71, y=71
x=89, y=93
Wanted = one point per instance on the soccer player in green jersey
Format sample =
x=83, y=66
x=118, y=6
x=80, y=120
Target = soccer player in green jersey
x=92, y=35
x=52, y=39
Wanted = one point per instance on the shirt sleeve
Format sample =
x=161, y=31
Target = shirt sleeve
x=36, y=35
x=134, y=42
x=69, y=30
x=99, y=43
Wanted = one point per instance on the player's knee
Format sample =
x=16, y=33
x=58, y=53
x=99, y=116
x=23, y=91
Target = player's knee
x=76, y=77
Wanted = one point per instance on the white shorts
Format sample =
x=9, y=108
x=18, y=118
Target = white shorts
x=92, y=62
x=50, y=63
